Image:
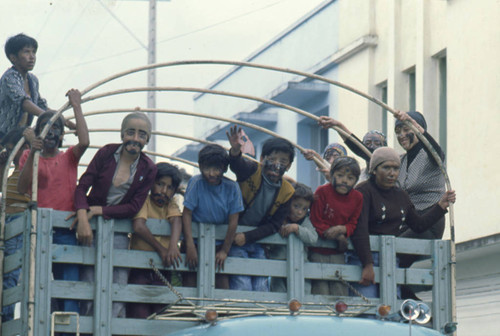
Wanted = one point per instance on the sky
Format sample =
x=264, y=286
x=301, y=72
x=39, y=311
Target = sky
x=84, y=41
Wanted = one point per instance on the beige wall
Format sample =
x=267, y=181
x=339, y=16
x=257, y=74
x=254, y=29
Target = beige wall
x=410, y=33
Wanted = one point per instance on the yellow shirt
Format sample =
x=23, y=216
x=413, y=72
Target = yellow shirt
x=151, y=210
x=15, y=202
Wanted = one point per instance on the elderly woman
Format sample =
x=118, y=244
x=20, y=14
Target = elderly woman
x=385, y=208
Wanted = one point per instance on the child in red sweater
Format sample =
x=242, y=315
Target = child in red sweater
x=334, y=214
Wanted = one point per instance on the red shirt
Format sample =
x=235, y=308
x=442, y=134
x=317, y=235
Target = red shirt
x=56, y=180
x=331, y=209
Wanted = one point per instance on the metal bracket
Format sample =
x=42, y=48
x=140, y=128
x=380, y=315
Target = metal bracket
x=64, y=318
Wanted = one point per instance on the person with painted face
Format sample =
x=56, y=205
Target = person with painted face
x=211, y=198
x=330, y=153
x=120, y=176
x=266, y=197
x=57, y=176
x=298, y=223
x=334, y=214
x=160, y=204
x=420, y=175
x=386, y=207
x=421, y=178
x=371, y=140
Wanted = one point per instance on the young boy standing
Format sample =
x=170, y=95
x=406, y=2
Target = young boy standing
x=158, y=205
x=57, y=175
x=19, y=96
x=297, y=222
x=334, y=214
x=266, y=197
x=211, y=198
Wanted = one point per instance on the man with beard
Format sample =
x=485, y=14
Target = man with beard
x=266, y=197
x=57, y=175
x=159, y=205
x=120, y=176
x=211, y=198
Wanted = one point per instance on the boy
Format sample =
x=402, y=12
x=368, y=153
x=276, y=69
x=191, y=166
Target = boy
x=16, y=204
x=297, y=222
x=334, y=214
x=158, y=205
x=211, y=198
x=19, y=96
x=266, y=197
x=57, y=175
x=120, y=176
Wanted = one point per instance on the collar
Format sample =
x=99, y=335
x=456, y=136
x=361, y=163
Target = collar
x=274, y=185
x=117, y=156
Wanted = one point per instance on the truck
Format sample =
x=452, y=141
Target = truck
x=205, y=310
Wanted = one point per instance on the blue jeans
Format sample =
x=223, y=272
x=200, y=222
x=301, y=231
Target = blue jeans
x=68, y=272
x=11, y=279
x=246, y=282
x=370, y=291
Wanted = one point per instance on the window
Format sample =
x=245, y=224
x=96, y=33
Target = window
x=412, y=91
x=383, y=98
x=309, y=135
x=442, y=102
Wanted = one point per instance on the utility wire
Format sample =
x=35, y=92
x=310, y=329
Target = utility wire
x=122, y=24
x=68, y=34
x=166, y=40
x=82, y=56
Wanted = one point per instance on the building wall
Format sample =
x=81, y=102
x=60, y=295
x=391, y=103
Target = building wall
x=412, y=37
x=422, y=47
x=440, y=57
x=299, y=47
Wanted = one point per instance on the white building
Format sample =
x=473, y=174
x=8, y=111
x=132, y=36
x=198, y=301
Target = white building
x=435, y=56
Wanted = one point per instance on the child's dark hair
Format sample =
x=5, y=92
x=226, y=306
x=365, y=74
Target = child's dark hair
x=213, y=155
x=13, y=136
x=44, y=118
x=278, y=145
x=166, y=169
x=303, y=191
x=346, y=162
x=15, y=43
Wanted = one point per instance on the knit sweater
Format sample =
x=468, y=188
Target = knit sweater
x=384, y=212
x=332, y=209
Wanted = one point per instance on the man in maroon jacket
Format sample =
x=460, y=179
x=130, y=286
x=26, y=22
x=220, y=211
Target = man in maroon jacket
x=120, y=176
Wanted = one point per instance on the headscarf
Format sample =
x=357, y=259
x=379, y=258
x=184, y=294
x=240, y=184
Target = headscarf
x=381, y=155
x=417, y=116
x=334, y=147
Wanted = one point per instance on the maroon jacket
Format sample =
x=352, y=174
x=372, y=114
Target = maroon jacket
x=99, y=176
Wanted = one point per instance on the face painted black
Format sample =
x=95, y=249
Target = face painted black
x=53, y=136
x=131, y=145
x=159, y=199
x=340, y=185
x=275, y=167
x=411, y=138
